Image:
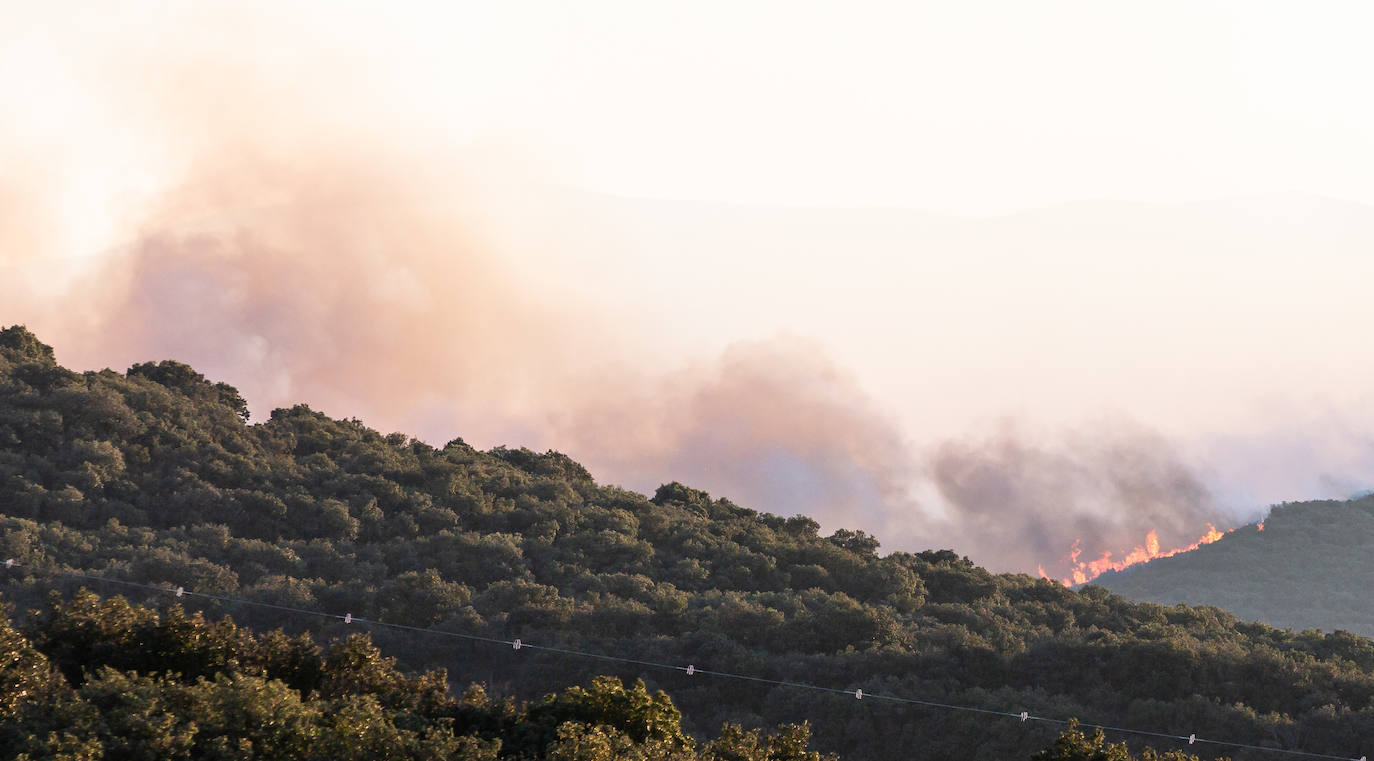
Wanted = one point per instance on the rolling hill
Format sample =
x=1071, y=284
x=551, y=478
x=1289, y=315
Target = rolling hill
x=1309, y=567
x=156, y=476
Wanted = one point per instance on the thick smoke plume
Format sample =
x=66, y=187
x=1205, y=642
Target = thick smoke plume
x=306, y=242
x=349, y=290
x=359, y=269
x=773, y=425
x=1031, y=501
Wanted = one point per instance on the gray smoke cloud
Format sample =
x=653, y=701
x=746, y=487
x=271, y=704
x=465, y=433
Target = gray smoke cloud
x=1028, y=499
x=774, y=425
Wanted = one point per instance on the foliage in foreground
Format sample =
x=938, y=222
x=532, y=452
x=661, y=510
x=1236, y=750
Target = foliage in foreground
x=92, y=679
x=1073, y=745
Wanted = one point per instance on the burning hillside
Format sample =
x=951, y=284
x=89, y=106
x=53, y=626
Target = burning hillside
x=1083, y=571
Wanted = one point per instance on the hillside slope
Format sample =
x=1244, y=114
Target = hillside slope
x=155, y=476
x=1309, y=568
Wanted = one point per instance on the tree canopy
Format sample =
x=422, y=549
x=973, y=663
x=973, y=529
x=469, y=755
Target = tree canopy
x=90, y=679
x=155, y=476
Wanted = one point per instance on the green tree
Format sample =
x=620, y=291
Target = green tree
x=1073, y=745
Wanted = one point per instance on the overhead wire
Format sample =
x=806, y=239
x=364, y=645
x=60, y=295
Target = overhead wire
x=689, y=669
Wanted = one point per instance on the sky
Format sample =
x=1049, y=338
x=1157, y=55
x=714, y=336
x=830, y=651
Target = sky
x=999, y=277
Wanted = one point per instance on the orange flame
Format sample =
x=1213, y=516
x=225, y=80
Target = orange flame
x=1084, y=571
x=1260, y=526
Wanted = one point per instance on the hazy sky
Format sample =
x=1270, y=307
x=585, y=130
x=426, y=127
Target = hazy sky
x=994, y=276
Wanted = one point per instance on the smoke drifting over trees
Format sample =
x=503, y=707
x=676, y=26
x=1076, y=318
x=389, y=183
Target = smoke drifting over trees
x=1106, y=490
x=288, y=217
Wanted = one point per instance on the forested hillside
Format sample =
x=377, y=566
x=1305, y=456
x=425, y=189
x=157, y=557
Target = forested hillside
x=1309, y=568
x=156, y=476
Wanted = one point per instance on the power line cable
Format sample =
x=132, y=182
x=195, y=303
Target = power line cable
x=690, y=669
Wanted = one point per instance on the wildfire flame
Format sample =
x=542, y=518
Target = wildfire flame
x=1084, y=571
